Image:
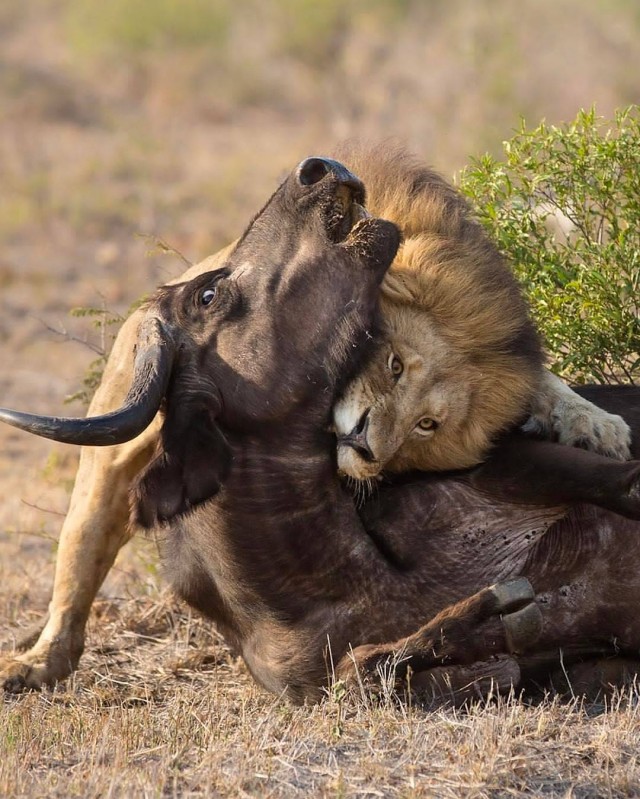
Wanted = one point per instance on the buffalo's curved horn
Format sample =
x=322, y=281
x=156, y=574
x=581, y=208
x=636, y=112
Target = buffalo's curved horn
x=152, y=368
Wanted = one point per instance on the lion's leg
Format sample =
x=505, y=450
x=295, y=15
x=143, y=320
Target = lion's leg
x=95, y=528
x=530, y=472
x=498, y=620
x=559, y=414
x=96, y=525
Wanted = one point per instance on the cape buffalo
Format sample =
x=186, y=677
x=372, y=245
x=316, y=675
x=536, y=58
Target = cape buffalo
x=245, y=362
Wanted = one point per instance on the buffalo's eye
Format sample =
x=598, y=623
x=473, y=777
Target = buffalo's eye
x=396, y=367
x=426, y=425
x=208, y=296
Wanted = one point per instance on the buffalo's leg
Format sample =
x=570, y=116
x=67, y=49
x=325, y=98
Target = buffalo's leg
x=501, y=619
x=526, y=471
x=457, y=685
x=596, y=678
x=95, y=528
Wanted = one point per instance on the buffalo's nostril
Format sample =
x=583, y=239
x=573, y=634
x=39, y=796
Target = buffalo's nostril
x=312, y=170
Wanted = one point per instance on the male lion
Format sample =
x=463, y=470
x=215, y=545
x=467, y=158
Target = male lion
x=461, y=361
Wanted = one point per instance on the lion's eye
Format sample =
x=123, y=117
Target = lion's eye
x=208, y=296
x=426, y=425
x=395, y=365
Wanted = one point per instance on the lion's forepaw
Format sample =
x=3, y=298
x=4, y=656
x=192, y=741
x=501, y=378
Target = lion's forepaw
x=17, y=677
x=578, y=423
x=35, y=669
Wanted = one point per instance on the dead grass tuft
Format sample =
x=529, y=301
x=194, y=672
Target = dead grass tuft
x=161, y=707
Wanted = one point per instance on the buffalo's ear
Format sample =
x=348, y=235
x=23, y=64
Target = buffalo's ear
x=193, y=461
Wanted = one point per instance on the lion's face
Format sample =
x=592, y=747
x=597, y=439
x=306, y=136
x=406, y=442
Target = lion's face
x=423, y=403
x=461, y=358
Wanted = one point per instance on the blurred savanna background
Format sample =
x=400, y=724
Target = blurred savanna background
x=137, y=134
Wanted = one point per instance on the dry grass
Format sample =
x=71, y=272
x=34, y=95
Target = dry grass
x=187, y=145
x=161, y=707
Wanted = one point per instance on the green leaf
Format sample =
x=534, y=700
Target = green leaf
x=564, y=205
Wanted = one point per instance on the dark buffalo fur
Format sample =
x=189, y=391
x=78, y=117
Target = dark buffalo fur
x=278, y=556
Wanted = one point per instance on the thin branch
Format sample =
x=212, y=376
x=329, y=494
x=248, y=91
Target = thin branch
x=568, y=212
x=34, y=534
x=40, y=508
x=64, y=333
x=625, y=371
x=105, y=323
x=163, y=246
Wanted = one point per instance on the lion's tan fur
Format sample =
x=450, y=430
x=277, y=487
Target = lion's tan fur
x=451, y=299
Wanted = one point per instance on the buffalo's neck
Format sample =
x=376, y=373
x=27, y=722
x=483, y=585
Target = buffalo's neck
x=279, y=476
x=281, y=518
x=278, y=495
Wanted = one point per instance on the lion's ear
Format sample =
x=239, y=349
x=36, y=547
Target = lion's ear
x=400, y=287
x=193, y=461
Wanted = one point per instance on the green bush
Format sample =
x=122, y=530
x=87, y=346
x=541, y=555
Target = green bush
x=564, y=206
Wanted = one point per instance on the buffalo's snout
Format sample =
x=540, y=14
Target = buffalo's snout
x=315, y=169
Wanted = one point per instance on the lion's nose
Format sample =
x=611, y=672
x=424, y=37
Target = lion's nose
x=357, y=438
x=363, y=424
x=313, y=170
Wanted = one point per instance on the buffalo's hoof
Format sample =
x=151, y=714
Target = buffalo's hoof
x=522, y=628
x=513, y=594
x=15, y=684
x=521, y=616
